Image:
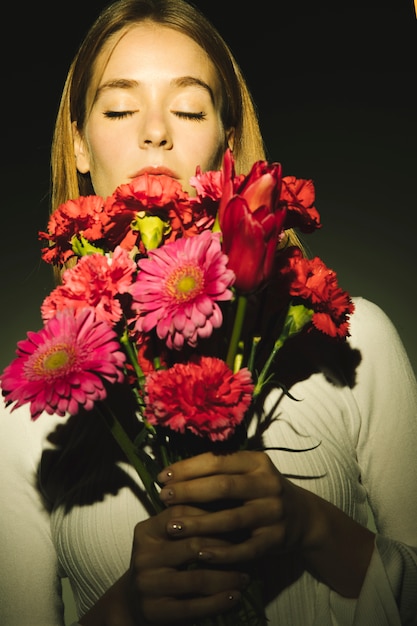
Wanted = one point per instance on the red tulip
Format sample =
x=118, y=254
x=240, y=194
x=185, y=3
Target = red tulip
x=251, y=219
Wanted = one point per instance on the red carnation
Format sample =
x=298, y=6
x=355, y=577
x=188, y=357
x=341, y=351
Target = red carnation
x=203, y=396
x=315, y=283
x=299, y=196
x=84, y=216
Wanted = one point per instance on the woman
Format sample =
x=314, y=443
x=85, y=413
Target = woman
x=154, y=88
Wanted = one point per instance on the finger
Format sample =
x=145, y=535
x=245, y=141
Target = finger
x=266, y=541
x=154, y=547
x=208, y=464
x=196, y=580
x=185, y=611
x=253, y=514
x=173, y=554
x=223, y=486
x=154, y=527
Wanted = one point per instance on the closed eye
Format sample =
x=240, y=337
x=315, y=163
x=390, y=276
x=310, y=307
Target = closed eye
x=114, y=115
x=181, y=114
x=190, y=116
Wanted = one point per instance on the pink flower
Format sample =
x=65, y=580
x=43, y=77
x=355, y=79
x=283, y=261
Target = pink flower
x=209, y=188
x=64, y=365
x=208, y=184
x=95, y=281
x=177, y=288
x=202, y=396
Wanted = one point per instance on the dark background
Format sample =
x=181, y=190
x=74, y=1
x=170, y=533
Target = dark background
x=334, y=83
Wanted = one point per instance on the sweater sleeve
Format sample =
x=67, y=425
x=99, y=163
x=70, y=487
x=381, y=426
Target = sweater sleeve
x=30, y=587
x=386, y=393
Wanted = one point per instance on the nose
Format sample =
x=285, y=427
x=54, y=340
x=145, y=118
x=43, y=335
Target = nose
x=155, y=132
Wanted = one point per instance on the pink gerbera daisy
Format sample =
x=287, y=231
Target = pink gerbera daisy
x=177, y=288
x=203, y=396
x=64, y=365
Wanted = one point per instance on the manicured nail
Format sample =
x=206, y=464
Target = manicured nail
x=166, y=494
x=175, y=528
x=234, y=597
x=165, y=476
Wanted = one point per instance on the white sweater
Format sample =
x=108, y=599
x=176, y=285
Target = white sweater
x=368, y=453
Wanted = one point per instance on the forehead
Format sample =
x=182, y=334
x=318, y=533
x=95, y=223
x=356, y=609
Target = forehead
x=151, y=53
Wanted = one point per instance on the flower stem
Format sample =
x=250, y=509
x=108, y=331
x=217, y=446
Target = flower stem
x=131, y=353
x=264, y=373
x=297, y=317
x=251, y=360
x=237, y=330
x=130, y=451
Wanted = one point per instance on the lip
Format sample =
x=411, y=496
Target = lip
x=156, y=170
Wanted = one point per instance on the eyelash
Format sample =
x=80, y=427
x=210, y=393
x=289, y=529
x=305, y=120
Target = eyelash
x=198, y=117
x=115, y=115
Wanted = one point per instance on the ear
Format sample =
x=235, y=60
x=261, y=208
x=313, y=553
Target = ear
x=82, y=158
x=230, y=138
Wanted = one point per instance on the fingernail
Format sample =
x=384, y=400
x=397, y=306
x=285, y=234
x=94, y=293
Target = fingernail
x=234, y=597
x=165, y=476
x=174, y=528
x=166, y=494
x=204, y=556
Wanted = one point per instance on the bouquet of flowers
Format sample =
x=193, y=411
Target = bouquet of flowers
x=154, y=297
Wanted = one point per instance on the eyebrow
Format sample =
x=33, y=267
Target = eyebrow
x=181, y=81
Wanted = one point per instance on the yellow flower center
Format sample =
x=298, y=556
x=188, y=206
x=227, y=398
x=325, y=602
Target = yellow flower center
x=55, y=361
x=185, y=282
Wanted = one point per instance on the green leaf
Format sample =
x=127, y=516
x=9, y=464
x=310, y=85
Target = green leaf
x=82, y=247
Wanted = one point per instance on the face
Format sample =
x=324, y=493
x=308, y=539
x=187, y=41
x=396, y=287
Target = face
x=157, y=109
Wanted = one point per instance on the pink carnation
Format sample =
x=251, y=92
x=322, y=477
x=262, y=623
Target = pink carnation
x=202, y=396
x=95, y=281
x=208, y=184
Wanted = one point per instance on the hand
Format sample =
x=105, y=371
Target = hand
x=280, y=516
x=264, y=503
x=164, y=586
x=167, y=582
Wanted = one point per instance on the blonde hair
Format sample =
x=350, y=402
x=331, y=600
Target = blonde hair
x=238, y=110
